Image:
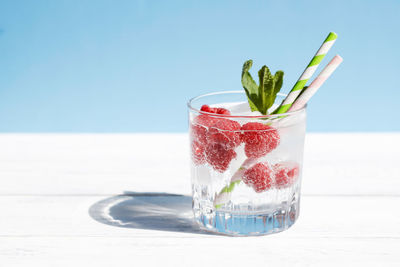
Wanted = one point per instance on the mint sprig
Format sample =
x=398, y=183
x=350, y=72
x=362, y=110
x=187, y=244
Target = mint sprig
x=261, y=97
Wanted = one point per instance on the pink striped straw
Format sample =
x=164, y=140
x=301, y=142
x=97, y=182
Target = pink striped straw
x=305, y=96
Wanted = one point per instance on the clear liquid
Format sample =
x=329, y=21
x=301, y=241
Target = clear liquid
x=247, y=212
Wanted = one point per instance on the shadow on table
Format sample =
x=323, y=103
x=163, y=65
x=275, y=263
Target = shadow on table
x=154, y=211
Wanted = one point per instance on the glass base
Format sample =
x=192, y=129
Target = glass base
x=247, y=224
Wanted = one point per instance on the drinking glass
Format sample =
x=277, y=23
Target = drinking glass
x=246, y=168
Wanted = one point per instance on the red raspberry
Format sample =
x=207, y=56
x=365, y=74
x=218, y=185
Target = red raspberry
x=259, y=177
x=259, y=139
x=286, y=174
x=294, y=173
x=200, y=127
x=223, y=111
x=207, y=108
x=199, y=130
x=225, y=132
x=198, y=153
x=219, y=157
x=204, y=120
x=214, y=139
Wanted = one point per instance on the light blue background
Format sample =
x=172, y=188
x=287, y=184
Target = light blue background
x=130, y=66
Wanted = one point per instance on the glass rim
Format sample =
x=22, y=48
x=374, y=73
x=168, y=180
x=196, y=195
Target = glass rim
x=290, y=113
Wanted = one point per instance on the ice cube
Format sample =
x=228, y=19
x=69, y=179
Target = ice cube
x=239, y=109
x=202, y=174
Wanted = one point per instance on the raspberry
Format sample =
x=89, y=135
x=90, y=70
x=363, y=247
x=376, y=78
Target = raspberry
x=259, y=139
x=200, y=127
x=207, y=108
x=204, y=120
x=286, y=174
x=293, y=172
x=214, y=139
x=218, y=156
x=222, y=111
x=199, y=130
x=259, y=177
x=225, y=132
x=198, y=153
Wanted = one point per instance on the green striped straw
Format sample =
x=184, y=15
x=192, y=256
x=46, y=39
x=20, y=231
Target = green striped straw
x=225, y=194
x=308, y=72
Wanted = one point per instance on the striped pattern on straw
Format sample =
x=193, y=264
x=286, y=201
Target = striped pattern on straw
x=308, y=72
x=316, y=84
x=225, y=194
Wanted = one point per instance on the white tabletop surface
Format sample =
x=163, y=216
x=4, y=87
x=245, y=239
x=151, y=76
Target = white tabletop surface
x=109, y=200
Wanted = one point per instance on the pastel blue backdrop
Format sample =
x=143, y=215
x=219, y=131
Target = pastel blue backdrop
x=130, y=66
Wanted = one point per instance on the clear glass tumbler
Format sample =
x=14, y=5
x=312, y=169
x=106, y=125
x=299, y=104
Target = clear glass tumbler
x=245, y=169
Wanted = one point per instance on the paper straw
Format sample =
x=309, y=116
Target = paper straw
x=308, y=72
x=316, y=84
x=225, y=194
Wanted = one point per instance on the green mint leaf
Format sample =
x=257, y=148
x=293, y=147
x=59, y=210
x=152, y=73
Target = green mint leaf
x=253, y=106
x=250, y=85
x=263, y=96
x=278, y=79
x=266, y=88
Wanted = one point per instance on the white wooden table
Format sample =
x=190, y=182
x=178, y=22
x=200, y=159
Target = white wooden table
x=109, y=200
